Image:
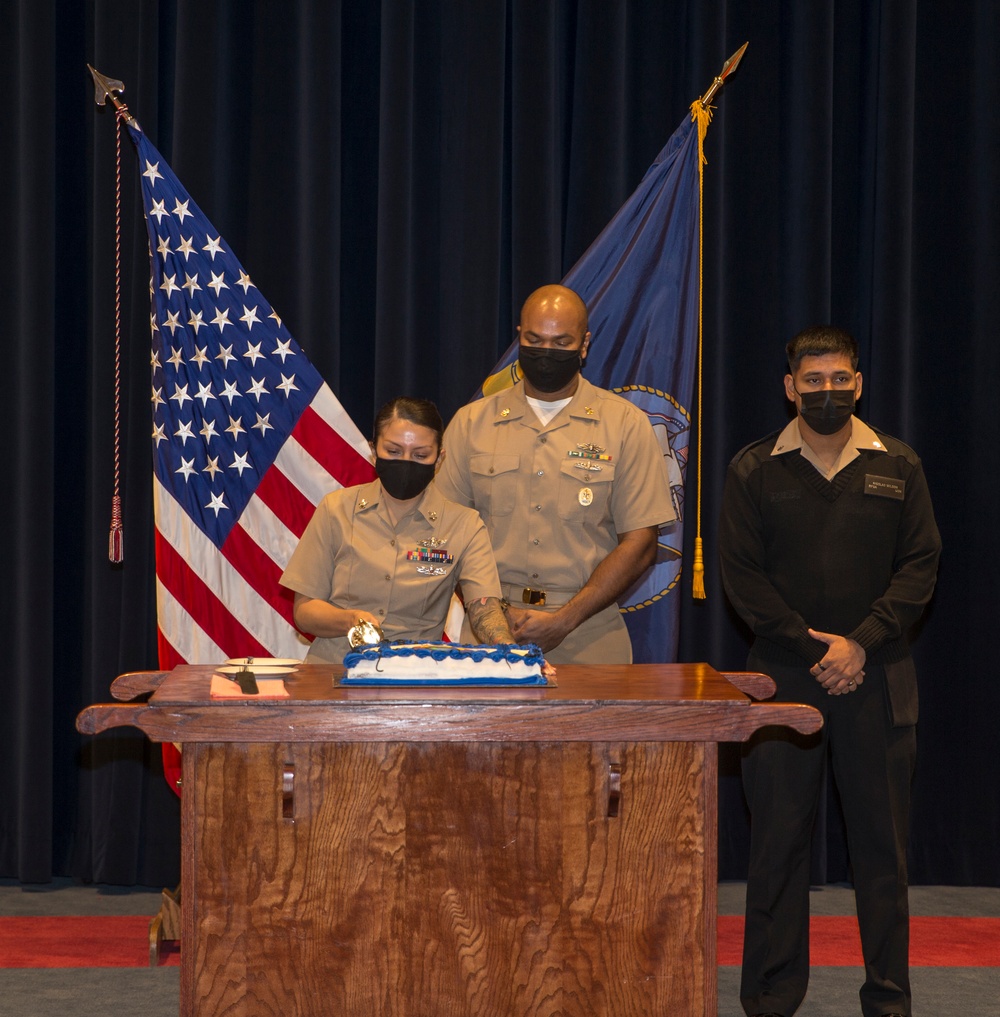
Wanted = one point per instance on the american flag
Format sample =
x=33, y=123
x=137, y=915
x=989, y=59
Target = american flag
x=247, y=438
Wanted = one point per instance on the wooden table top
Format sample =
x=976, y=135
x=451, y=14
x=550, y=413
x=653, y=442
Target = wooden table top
x=636, y=702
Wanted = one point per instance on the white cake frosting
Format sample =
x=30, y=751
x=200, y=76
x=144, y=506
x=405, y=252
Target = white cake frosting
x=445, y=663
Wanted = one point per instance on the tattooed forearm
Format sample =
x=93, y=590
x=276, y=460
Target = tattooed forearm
x=489, y=623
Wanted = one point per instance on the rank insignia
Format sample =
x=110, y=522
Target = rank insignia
x=432, y=516
x=363, y=503
x=589, y=410
x=505, y=412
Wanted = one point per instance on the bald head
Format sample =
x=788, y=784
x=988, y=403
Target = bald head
x=556, y=302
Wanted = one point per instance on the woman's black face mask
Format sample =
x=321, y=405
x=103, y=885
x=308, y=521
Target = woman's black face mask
x=403, y=479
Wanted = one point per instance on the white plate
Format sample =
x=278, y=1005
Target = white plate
x=266, y=661
x=256, y=668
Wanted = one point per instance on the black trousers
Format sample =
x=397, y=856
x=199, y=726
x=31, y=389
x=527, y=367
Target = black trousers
x=872, y=765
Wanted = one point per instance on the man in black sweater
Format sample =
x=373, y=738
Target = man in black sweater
x=829, y=553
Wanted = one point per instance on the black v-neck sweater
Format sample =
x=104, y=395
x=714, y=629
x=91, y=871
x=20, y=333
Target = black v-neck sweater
x=856, y=556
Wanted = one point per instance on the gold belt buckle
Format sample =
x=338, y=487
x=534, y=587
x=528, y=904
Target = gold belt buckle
x=530, y=596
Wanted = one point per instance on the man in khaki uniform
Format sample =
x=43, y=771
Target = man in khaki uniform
x=570, y=481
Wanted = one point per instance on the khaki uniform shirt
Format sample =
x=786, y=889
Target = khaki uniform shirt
x=351, y=556
x=553, y=512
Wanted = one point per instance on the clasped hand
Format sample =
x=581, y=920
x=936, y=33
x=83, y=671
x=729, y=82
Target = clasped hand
x=544, y=628
x=841, y=669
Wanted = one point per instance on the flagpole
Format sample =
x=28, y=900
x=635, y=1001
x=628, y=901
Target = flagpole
x=106, y=88
x=701, y=110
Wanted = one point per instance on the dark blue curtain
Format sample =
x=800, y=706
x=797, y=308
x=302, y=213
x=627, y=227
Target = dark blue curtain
x=397, y=178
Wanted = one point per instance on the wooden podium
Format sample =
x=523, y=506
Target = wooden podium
x=445, y=852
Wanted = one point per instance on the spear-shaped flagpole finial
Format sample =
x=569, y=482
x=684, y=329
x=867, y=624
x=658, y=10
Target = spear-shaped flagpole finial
x=727, y=68
x=107, y=88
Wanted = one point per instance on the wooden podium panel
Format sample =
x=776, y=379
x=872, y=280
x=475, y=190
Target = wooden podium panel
x=449, y=878
x=445, y=852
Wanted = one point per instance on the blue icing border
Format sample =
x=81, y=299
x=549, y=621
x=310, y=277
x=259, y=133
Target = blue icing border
x=512, y=653
x=485, y=682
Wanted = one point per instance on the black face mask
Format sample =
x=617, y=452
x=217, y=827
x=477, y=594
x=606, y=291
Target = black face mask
x=403, y=479
x=828, y=411
x=549, y=370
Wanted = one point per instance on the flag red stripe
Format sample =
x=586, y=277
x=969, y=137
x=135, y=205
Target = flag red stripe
x=258, y=569
x=201, y=603
x=285, y=500
x=169, y=659
x=167, y=653
x=331, y=451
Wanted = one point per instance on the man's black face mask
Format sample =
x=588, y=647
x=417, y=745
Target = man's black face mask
x=548, y=370
x=826, y=412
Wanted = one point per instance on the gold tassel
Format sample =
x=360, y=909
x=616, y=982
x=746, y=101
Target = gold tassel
x=698, y=572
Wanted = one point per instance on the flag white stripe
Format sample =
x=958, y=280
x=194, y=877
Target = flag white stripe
x=305, y=472
x=205, y=560
x=273, y=537
x=183, y=633
x=327, y=405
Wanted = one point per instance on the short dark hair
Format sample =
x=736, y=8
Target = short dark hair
x=818, y=341
x=417, y=411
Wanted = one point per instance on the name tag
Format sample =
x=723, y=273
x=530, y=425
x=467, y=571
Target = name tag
x=885, y=487
x=792, y=494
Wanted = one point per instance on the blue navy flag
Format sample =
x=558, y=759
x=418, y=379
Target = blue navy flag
x=246, y=439
x=639, y=279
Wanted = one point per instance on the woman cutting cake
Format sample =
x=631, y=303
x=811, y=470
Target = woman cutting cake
x=390, y=553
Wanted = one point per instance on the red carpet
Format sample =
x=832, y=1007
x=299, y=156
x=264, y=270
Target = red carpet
x=934, y=942
x=120, y=941
x=123, y=941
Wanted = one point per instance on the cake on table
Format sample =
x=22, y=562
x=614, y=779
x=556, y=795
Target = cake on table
x=440, y=663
